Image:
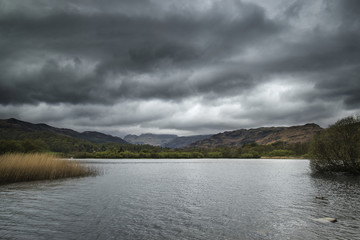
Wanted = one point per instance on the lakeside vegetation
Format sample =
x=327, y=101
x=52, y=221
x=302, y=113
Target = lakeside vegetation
x=337, y=149
x=19, y=167
x=83, y=149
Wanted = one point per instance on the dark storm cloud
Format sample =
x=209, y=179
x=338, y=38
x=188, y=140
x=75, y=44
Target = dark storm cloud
x=349, y=12
x=293, y=11
x=335, y=57
x=124, y=46
x=51, y=84
x=327, y=55
x=171, y=64
x=345, y=86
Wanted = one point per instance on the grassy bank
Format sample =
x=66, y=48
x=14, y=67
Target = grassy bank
x=17, y=167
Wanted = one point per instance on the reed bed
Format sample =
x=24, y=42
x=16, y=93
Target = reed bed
x=17, y=167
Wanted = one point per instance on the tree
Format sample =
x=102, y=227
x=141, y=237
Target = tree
x=281, y=153
x=337, y=149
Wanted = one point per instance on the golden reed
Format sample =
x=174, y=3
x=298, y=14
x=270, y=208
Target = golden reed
x=18, y=167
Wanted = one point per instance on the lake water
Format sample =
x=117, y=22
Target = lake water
x=184, y=199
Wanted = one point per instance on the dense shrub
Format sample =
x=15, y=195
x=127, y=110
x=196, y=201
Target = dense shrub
x=281, y=153
x=337, y=149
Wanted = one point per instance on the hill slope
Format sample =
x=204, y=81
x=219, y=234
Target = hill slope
x=164, y=140
x=180, y=142
x=264, y=135
x=17, y=130
x=151, y=139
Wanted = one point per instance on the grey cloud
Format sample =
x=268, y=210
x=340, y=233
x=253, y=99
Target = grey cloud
x=51, y=84
x=349, y=12
x=344, y=86
x=328, y=58
x=109, y=53
x=127, y=45
x=293, y=11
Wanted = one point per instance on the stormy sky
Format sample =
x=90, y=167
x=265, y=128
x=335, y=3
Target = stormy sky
x=181, y=67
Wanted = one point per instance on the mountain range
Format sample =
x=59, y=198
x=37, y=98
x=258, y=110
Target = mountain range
x=262, y=136
x=13, y=129
x=164, y=140
x=149, y=138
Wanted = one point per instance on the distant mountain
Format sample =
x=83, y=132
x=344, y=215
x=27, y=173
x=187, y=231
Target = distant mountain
x=180, y=142
x=164, y=140
x=15, y=129
x=151, y=139
x=263, y=135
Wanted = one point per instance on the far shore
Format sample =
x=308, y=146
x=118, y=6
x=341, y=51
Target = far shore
x=300, y=158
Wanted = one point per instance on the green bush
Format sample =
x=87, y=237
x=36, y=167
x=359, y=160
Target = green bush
x=215, y=155
x=281, y=153
x=251, y=154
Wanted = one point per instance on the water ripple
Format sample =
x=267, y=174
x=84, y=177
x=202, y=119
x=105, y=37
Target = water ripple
x=184, y=199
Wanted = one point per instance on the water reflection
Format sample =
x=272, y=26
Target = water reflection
x=341, y=200
x=184, y=199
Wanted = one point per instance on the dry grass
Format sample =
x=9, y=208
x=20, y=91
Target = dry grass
x=17, y=167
